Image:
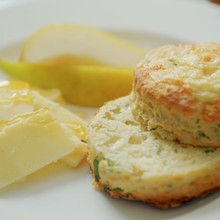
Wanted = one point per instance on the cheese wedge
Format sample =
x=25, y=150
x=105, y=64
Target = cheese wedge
x=34, y=132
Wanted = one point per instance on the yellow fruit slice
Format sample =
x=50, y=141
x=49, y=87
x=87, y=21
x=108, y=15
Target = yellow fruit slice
x=81, y=85
x=83, y=59
x=85, y=45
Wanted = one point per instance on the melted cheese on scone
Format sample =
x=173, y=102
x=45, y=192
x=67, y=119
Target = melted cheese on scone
x=190, y=66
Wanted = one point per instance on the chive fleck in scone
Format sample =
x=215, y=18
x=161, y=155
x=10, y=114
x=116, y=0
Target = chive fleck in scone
x=131, y=163
x=177, y=93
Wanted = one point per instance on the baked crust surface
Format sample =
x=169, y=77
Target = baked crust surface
x=177, y=93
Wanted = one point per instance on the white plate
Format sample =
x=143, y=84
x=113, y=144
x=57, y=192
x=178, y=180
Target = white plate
x=58, y=192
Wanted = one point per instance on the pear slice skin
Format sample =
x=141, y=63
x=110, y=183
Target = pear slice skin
x=83, y=85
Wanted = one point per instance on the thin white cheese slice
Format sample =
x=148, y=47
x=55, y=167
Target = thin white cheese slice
x=34, y=132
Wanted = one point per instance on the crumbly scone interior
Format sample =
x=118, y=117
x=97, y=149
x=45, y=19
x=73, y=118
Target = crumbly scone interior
x=140, y=163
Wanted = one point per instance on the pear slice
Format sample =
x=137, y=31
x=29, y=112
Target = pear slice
x=80, y=84
x=86, y=45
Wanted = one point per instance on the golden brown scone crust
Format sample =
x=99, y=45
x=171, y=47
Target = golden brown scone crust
x=160, y=202
x=177, y=93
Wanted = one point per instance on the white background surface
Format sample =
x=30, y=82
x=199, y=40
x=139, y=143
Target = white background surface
x=185, y=19
x=58, y=192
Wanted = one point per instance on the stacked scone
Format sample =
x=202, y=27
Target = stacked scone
x=161, y=144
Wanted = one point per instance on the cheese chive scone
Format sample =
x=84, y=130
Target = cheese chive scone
x=132, y=163
x=176, y=93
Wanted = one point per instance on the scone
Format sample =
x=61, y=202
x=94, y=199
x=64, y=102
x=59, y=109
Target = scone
x=131, y=163
x=176, y=93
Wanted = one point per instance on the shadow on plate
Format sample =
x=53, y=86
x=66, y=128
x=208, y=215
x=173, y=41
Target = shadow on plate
x=141, y=211
x=54, y=176
x=145, y=40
